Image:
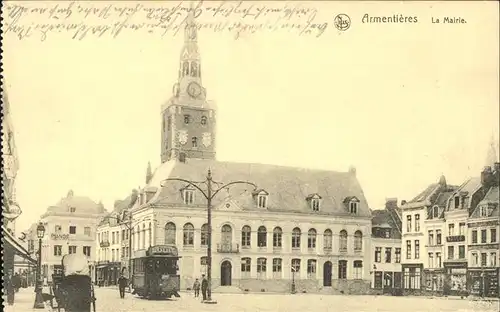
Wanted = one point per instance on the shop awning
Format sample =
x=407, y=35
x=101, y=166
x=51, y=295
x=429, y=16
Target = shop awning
x=12, y=242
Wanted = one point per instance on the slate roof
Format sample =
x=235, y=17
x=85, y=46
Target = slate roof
x=382, y=219
x=425, y=193
x=468, y=187
x=83, y=204
x=491, y=199
x=288, y=187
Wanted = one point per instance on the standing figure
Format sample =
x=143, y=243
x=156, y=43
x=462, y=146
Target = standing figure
x=122, y=283
x=196, y=288
x=204, y=287
x=10, y=288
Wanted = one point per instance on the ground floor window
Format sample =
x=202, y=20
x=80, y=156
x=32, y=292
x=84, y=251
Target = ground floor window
x=357, y=272
x=412, y=278
x=342, y=269
x=434, y=281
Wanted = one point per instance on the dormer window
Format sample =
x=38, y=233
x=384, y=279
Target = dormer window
x=262, y=201
x=203, y=120
x=483, y=211
x=187, y=119
x=72, y=209
x=353, y=207
x=261, y=197
x=314, y=200
x=457, y=201
x=435, y=212
x=315, y=204
x=188, y=196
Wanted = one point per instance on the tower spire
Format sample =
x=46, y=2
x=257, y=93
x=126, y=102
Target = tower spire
x=149, y=173
x=189, y=89
x=491, y=156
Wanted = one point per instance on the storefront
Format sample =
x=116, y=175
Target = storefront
x=434, y=280
x=107, y=273
x=412, y=278
x=484, y=282
x=389, y=282
x=12, y=247
x=455, y=279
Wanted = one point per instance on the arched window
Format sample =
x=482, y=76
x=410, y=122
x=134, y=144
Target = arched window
x=246, y=233
x=358, y=241
x=203, y=120
x=262, y=236
x=226, y=235
x=188, y=237
x=343, y=240
x=185, y=68
x=277, y=237
x=170, y=233
x=187, y=119
x=204, y=234
x=327, y=239
x=311, y=239
x=296, y=238
x=194, y=141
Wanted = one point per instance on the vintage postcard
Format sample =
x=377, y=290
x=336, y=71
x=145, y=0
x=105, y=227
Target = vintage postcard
x=250, y=156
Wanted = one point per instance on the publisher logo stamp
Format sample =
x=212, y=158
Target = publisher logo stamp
x=342, y=22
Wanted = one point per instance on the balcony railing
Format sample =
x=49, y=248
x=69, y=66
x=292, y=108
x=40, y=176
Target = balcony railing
x=455, y=238
x=228, y=248
x=104, y=244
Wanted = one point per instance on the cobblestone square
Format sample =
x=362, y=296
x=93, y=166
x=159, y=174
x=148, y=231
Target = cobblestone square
x=108, y=301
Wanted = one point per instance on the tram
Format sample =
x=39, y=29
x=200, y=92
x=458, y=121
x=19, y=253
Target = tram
x=155, y=272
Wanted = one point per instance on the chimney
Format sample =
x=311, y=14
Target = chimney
x=403, y=202
x=391, y=203
x=486, y=176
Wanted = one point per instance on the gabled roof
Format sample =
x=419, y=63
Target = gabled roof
x=288, y=187
x=382, y=219
x=425, y=194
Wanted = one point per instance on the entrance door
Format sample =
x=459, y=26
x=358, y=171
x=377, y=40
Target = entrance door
x=225, y=273
x=327, y=274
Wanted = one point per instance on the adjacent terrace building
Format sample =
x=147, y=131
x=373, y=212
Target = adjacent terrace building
x=386, y=248
x=483, y=244
x=415, y=235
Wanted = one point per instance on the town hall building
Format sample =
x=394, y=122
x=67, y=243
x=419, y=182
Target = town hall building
x=308, y=227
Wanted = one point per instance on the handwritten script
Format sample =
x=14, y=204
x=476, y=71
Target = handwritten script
x=80, y=20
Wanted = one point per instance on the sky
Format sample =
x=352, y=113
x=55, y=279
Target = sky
x=403, y=103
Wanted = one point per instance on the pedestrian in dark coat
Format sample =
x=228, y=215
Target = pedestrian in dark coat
x=196, y=288
x=204, y=287
x=10, y=288
x=122, y=284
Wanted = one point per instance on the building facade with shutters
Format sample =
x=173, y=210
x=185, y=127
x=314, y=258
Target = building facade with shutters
x=70, y=227
x=483, y=238
x=423, y=221
x=386, y=248
x=302, y=226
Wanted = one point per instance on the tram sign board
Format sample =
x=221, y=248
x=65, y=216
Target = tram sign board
x=163, y=250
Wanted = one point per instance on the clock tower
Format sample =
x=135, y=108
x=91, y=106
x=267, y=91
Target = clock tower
x=188, y=120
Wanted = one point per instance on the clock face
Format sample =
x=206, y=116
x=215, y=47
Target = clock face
x=194, y=89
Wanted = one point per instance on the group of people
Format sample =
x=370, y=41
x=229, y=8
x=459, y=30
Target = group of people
x=203, y=285
x=12, y=283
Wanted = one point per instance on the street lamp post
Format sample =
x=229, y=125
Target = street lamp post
x=209, y=195
x=293, y=281
x=39, y=304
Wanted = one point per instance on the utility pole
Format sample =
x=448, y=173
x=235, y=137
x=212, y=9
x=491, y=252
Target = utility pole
x=209, y=196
